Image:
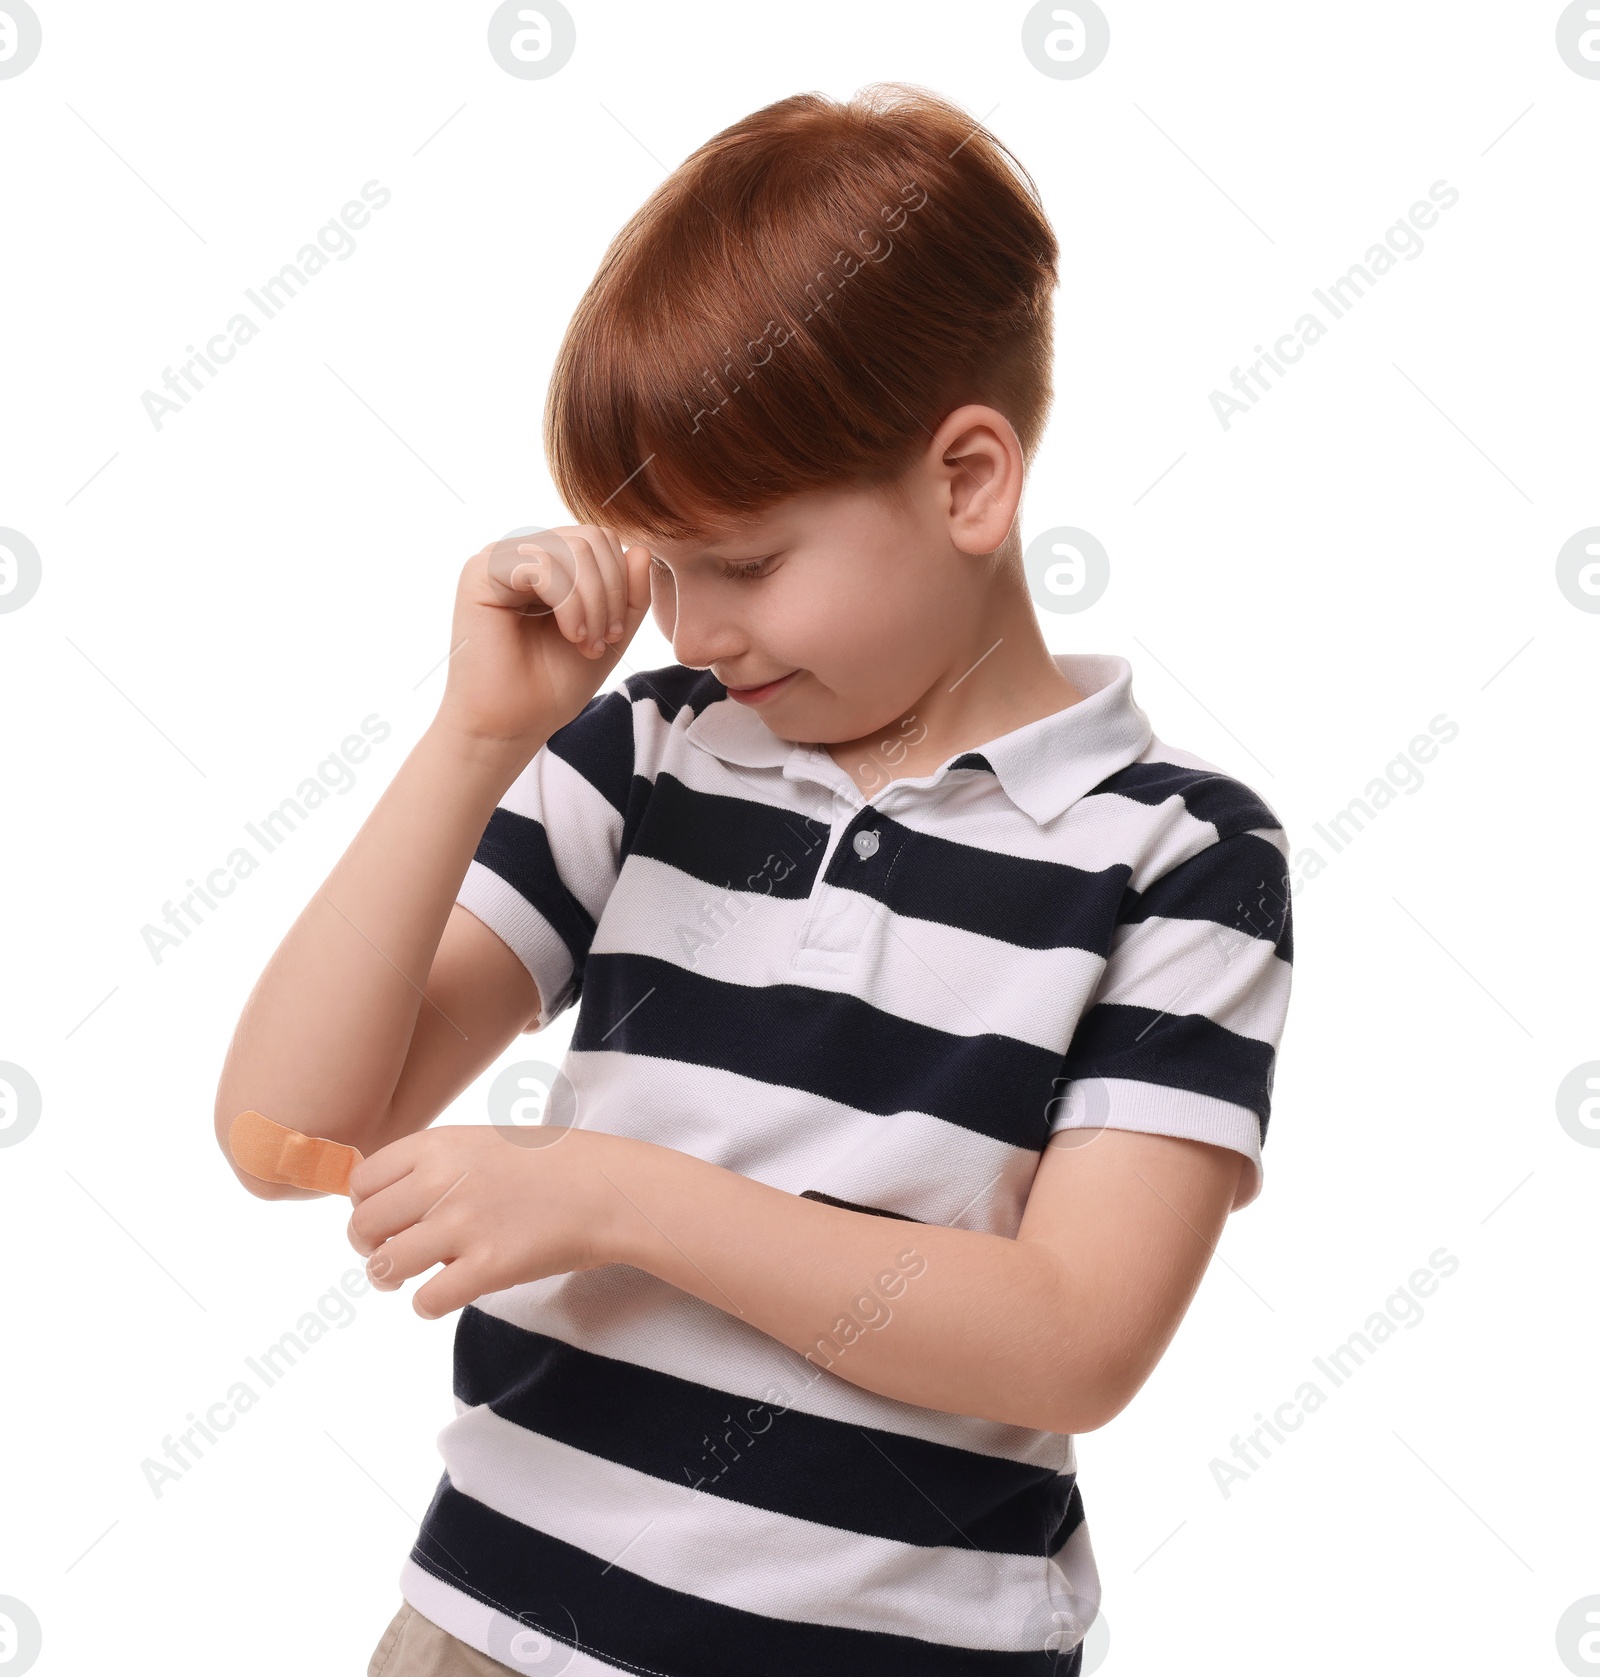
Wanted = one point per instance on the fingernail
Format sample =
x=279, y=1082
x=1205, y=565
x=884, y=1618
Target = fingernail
x=597, y=646
x=615, y=629
x=580, y=631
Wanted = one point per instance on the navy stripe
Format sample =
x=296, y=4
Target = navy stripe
x=517, y=848
x=733, y=843
x=873, y=1061
x=598, y=744
x=1241, y=883
x=744, y=844
x=1228, y=804
x=1177, y=1050
x=1014, y=899
x=597, y=1604
x=764, y=1455
x=675, y=687
x=640, y=792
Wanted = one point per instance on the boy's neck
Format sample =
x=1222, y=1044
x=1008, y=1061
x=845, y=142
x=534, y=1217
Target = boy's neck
x=1004, y=679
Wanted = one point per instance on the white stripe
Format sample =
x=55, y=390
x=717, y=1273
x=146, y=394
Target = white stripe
x=1196, y=966
x=585, y=842
x=585, y=836
x=654, y=735
x=911, y=1162
x=1125, y=1103
x=520, y=926
x=744, y=1557
x=1072, y=1594
x=627, y=1314
x=841, y=941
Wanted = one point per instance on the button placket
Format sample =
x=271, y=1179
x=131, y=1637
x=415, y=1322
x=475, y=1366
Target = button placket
x=840, y=915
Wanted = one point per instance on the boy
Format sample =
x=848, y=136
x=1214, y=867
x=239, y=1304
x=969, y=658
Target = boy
x=928, y=1004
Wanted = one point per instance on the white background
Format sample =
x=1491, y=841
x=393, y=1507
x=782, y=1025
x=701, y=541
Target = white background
x=1373, y=545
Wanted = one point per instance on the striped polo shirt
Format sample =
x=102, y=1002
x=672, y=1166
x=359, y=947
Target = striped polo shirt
x=888, y=1002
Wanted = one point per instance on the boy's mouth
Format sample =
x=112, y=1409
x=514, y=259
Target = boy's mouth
x=758, y=695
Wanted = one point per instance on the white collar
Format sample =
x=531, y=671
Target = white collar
x=1044, y=766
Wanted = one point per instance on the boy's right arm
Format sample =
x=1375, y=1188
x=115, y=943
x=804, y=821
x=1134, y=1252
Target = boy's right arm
x=386, y=998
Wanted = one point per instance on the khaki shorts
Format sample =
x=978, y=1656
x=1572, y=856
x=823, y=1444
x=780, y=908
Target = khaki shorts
x=413, y=1646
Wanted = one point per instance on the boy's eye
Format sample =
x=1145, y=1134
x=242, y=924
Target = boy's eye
x=747, y=569
x=751, y=568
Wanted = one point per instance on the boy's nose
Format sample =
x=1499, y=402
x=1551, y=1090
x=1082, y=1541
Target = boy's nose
x=700, y=648
x=701, y=635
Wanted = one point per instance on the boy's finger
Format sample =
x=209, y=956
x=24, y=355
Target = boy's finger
x=592, y=592
x=382, y=1217
x=548, y=572
x=637, y=602
x=385, y=1167
x=614, y=572
x=547, y=554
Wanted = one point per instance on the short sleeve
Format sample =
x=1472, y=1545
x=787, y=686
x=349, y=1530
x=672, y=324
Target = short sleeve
x=549, y=857
x=1181, y=1034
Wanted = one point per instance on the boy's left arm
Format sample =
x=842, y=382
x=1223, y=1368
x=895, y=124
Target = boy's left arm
x=1056, y=1329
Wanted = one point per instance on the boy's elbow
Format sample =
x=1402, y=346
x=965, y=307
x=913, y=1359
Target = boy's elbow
x=1089, y=1417
x=1105, y=1400
x=261, y=1189
x=257, y=1185
x=1093, y=1393
x=1074, y=1413
x=264, y=1190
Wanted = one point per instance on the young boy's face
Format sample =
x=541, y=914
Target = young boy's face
x=860, y=603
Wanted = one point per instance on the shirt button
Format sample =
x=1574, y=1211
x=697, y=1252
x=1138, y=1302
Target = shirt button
x=866, y=845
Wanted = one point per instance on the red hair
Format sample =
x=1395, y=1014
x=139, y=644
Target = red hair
x=797, y=306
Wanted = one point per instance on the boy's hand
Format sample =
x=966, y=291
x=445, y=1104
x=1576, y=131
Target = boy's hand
x=494, y=1211
x=532, y=638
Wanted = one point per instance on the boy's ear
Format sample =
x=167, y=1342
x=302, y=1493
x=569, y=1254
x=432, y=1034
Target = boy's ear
x=978, y=465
